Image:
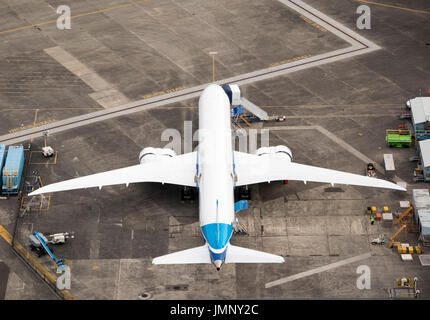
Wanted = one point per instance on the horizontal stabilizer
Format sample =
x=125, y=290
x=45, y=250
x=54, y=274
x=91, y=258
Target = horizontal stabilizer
x=244, y=255
x=189, y=256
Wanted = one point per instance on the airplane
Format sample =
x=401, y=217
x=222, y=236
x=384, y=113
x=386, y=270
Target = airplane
x=215, y=169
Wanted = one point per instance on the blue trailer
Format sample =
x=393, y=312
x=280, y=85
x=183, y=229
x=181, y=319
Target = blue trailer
x=12, y=171
x=2, y=158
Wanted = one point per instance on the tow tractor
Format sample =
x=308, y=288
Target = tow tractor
x=38, y=243
x=370, y=170
x=59, y=238
x=379, y=240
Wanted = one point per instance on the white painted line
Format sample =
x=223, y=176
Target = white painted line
x=359, y=45
x=328, y=23
x=318, y=270
x=104, y=93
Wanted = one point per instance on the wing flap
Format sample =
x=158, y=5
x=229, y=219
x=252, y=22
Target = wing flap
x=178, y=170
x=252, y=169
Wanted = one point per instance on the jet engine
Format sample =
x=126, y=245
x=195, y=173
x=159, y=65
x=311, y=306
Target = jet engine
x=282, y=152
x=150, y=154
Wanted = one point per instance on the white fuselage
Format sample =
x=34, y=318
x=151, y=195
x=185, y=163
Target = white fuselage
x=215, y=159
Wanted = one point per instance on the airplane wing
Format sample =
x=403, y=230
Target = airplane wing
x=252, y=169
x=178, y=170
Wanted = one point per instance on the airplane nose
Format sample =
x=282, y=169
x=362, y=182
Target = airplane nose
x=218, y=264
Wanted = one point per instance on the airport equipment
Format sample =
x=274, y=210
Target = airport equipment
x=415, y=157
x=236, y=111
x=421, y=135
x=379, y=240
x=425, y=159
x=37, y=183
x=233, y=93
x=38, y=243
x=424, y=260
x=405, y=115
x=393, y=243
x=389, y=168
x=12, y=170
x=240, y=205
x=407, y=283
x=398, y=138
x=2, y=159
x=244, y=193
x=406, y=256
x=59, y=238
x=47, y=151
x=420, y=200
x=187, y=194
x=387, y=218
x=239, y=229
x=406, y=213
x=424, y=226
x=234, y=114
x=420, y=110
x=406, y=288
x=241, y=117
x=370, y=170
x=404, y=204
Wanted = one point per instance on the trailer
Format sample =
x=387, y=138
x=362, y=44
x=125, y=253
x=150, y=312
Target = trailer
x=389, y=168
x=12, y=171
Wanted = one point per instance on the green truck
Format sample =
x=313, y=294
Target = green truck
x=398, y=138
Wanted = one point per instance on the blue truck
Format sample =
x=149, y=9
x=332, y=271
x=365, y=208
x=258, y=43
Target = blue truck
x=12, y=170
x=2, y=158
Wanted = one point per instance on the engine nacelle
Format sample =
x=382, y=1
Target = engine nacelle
x=279, y=151
x=150, y=154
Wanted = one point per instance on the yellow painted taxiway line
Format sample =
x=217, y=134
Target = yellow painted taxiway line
x=46, y=162
x=52, y=109
x=395, y=7
x=74, y=17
